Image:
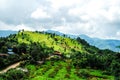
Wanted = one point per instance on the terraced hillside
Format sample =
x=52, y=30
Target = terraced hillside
x=60, y=70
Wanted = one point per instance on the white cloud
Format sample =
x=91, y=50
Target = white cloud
x=118, y=33
x=40, y=13
x=96, y=9
x=2, y=4
x=4, y=26
x=56, y=4
x=76, y=28
x=96, y=18
x=22, y=26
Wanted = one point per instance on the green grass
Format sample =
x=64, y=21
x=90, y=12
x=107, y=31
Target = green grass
x=98, y=73
x=58, y=45
x=36, y=72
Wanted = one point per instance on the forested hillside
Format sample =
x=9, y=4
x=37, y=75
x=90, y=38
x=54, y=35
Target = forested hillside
x=50, y=56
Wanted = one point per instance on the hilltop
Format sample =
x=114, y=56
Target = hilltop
x=59, y=43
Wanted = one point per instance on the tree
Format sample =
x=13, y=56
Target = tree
x=2, y=61
x=15, y=49
x=82, y=41
x=115, y=69
x=36, y=51
x=2, y=43
x=22, y=48
x=4, y=49
x=15, y=75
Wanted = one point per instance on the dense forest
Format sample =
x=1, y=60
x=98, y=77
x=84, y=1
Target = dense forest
x=47, y=56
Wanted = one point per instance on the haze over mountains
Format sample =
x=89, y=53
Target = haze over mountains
x=103, y=43
x=5, y=33
x=100, y=43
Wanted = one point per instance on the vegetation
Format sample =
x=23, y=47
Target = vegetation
x=49, y=56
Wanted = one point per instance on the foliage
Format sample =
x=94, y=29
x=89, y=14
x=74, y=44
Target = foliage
x=13, y=75
x=9, y=60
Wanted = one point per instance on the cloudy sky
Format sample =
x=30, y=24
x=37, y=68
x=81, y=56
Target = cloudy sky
x=96, y=18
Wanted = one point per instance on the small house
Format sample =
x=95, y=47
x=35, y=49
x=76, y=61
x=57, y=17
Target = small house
x=10, y=51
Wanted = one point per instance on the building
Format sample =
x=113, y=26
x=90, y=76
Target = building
x=10, y=51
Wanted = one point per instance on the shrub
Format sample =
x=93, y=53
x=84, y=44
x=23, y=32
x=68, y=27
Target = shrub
x=67, y=76
x=52, y=75
x=45, y=69
x=68, y=68
x=15, y=75
x=85, y=73
x=106, y=73
x=56, y=69
x=52, y=63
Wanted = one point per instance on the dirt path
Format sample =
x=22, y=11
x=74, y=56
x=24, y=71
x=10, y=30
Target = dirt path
x=10, y=67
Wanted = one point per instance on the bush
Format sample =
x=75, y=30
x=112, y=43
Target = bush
x=67, y=76
x=45, y=69
x=106, y=73
x=68, y=68
x=52, y=63
x=52, y=75
x=83, y=73
x=14, y=75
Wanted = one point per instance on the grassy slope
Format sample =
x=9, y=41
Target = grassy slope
x=58, y=45
x=40, y=72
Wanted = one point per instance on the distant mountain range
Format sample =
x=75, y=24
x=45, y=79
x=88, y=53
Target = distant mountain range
x=100, y=43
x=103, y=43
x=5, y=33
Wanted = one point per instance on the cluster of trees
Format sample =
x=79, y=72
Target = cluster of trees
x=3, y=47
x=39, y=52
x=34, y=51
x=13, y=74
x=105, y=60
x=5, y=61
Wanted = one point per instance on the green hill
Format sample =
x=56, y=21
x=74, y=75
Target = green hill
x=63, y=58
x=59, y=43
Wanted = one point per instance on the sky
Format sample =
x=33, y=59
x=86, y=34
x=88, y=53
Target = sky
x=95, y=18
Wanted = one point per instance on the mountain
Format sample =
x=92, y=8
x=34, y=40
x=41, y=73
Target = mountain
x=50, y=56
x=5, y=33
x=100, y=43
x=103, y=43
x=58, y=43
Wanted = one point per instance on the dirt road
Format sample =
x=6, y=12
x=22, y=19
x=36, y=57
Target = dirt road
x=10, y=67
